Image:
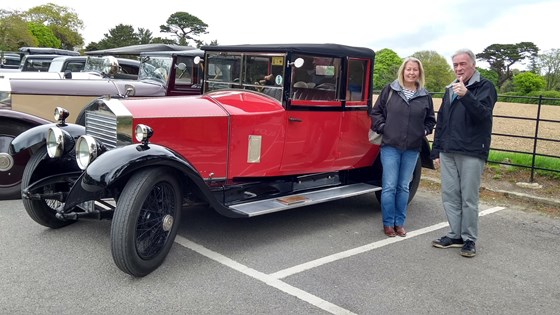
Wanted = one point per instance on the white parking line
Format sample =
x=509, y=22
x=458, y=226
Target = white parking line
x=274, y=278
x=271, y=281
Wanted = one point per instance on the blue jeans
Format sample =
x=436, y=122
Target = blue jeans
x=398, y=167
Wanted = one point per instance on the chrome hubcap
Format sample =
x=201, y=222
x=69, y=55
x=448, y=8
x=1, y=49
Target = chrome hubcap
x=6, y=162
x=167, y=223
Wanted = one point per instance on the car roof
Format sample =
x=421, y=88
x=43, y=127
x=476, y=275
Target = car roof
x=188, y=53
x=138, y=49
x=336, y=50
x=46, y=50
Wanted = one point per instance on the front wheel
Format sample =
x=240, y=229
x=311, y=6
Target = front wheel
x=42, y=211
x=145, y=221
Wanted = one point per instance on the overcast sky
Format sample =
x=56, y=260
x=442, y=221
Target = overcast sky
x=405, y=26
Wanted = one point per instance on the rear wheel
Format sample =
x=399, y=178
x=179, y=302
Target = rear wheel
x=42, y=211
x=145, y=221
x=11, y=167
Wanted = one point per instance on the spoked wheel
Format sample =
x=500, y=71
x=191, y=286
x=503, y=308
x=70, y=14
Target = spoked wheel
x=145, y=221
x=42, y=211
x=414, y=183
x=11, y=168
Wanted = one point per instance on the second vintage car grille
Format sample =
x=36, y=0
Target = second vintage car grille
x=102, y=127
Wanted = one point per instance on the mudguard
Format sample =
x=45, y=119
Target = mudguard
x=120, y=163
x=37, y=135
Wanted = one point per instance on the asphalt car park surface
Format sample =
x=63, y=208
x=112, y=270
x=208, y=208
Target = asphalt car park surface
x=329, y=258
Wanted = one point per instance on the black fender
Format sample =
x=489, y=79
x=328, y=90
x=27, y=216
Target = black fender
x=114, y=165
x=38, y=135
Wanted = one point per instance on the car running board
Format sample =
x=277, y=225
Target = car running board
x=260, y=207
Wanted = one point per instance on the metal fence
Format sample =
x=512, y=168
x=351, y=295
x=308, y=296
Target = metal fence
x=536, y=137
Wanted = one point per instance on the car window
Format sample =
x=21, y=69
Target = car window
x=317, y=80
x=356, y=87
x=155, y=68
x=260, y=72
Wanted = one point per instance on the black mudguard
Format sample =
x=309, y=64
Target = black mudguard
x=120, y=163
x=38, y=135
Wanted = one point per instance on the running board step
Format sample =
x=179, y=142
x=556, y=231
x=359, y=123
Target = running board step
x=260, y=207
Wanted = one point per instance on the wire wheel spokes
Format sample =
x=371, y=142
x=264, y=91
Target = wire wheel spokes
x=155, y=220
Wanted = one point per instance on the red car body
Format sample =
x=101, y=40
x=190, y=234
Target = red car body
x=242, y=147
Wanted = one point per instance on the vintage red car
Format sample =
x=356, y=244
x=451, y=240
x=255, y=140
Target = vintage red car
x=278, y=127
x=29, y=102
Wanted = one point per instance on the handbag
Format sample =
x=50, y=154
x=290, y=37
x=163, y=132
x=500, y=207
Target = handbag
x=374, y=137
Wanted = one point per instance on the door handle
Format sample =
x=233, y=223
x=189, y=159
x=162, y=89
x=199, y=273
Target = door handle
x=293, y=119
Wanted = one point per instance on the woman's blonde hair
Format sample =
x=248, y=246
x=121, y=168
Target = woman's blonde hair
x=421, y=78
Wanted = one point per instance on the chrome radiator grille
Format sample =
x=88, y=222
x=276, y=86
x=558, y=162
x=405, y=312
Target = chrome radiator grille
x=103, y=127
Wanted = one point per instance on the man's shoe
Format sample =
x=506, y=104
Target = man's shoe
x=446, y=242
x=469, y=249
x=389, y=231
x=400, y=231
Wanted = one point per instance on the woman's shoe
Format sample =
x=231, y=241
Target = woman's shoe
x=400, y=231
x=389, y=231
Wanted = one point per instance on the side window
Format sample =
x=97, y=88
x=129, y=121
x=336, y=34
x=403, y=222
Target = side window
x=356, y=85
x=317, y=80
x=183, y=77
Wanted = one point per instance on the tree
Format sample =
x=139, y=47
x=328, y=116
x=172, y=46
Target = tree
x=387, y=64
x=527, y=82
x=501, y=57
x=44, y=35
x=63, y=22
x=489, y=74
x=549, y=63
x=186, y=27
x=437, y=71
x=145, y=35
x=14, y=31
x=119, y=36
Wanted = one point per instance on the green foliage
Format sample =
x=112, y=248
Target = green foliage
x=548, y=97
x=14, y=32
x=185, y=27
x=549, y=63
x=438, y=72
x=63, y=22
x=526, y=160
x=121, y=35
x=387, y=64
x=501, y=57
x=527, y=82
x=489, y=74
x=44, y=35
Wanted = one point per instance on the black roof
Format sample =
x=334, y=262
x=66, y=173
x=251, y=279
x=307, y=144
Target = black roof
x=188, y=53
x=47, y=51
x=335, y=50
x=137, y=49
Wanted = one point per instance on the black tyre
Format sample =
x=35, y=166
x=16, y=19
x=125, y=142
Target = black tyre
x=41, y=211
x=145, y=221
x=10, y=180
x=414, y=183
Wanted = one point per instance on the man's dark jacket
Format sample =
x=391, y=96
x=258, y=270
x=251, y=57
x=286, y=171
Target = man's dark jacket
x=464, y=124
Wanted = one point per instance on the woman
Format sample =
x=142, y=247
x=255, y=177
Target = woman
x=404, y=114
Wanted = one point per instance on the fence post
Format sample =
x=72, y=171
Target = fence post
x=535, y=139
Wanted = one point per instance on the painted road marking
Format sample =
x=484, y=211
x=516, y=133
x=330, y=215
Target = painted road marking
x=273, y=279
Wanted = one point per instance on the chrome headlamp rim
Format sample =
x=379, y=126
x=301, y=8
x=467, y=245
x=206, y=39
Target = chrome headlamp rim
x=86, y=151
x=142, y=133
x=55, y=142
x=60, y=114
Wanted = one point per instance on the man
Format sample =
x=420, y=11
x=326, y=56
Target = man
x=461, y=146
